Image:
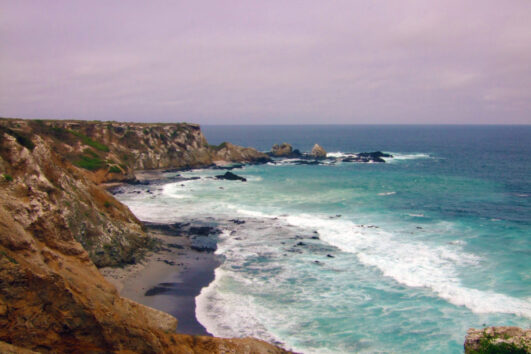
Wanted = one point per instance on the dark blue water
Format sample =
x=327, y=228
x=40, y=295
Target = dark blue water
x=501, y=154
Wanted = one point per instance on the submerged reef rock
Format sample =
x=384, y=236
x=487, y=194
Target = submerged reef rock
x=498, y=340
x=231, y=177
x=376, y=156
x=318, y=152
x=57, y=225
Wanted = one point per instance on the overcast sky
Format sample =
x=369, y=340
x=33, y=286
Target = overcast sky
x=267, y=62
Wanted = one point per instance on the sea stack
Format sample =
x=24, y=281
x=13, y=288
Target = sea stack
x=318, y=152
x=281, y=150
x=284, y=150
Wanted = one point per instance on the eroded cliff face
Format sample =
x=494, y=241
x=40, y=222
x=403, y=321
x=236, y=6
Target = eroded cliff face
x=112, y=151
x=56, y=165
x=55, y=221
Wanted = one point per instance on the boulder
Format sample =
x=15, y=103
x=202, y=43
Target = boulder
x=318, y=152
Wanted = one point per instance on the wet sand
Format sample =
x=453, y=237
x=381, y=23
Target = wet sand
x=168, y=280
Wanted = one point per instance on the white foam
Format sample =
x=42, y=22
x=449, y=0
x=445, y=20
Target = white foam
x=337, y=154
x=412, y=156
x=386, y=193
x=414, y=264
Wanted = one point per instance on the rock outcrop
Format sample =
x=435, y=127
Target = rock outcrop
x=284, y=150
x=376, y=156
x=56, y=223
x=318, y=152
x=498, y=340
x=227, y=153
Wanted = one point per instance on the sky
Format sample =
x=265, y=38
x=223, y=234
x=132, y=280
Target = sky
x=268, y=62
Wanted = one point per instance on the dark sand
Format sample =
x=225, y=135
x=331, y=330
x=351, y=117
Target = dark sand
x=168, y=280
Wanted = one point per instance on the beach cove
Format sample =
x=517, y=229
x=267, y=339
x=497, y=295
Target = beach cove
x=290, y=276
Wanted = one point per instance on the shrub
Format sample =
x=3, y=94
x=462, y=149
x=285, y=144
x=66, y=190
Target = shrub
x=7, y=177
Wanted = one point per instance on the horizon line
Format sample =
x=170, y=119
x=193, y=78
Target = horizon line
x=279, y=124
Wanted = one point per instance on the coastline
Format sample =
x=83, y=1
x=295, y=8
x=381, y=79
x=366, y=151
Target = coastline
x=168, y=279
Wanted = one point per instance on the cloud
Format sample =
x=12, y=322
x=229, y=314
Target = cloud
x=267, y=62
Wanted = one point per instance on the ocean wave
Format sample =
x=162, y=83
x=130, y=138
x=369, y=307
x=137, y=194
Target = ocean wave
x=339, y=155
x=386, y=193
x=414, y=264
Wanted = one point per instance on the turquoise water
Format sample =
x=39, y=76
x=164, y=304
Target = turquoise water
x=399, y=257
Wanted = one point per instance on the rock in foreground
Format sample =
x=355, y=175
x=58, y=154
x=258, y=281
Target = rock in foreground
x=498, y=340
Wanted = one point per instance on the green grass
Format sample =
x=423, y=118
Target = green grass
x=115, y=169
x=90, y=163
x=88, y=141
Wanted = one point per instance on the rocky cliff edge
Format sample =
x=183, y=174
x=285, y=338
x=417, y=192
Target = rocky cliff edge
x=55, y=220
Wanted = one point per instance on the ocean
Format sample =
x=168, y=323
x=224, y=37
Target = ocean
x=395, y=257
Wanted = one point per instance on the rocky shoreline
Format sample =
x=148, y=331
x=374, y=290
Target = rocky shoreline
x=59, y=225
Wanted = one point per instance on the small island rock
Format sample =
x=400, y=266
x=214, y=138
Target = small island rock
x=318, y=152
x=282, y=150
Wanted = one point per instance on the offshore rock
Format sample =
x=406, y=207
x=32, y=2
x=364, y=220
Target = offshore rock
x=318, y=152
x=498, y=340
x=376, y=156
x=284, y=150
x=231, y=177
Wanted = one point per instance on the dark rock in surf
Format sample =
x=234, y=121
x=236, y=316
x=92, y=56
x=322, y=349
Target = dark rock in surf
x=231, y=177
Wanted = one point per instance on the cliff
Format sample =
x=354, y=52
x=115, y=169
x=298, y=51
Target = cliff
x=56, y=223
x=57, y=165
x=112, y=151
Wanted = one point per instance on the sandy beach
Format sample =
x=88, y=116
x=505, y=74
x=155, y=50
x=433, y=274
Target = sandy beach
x=169, y=279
